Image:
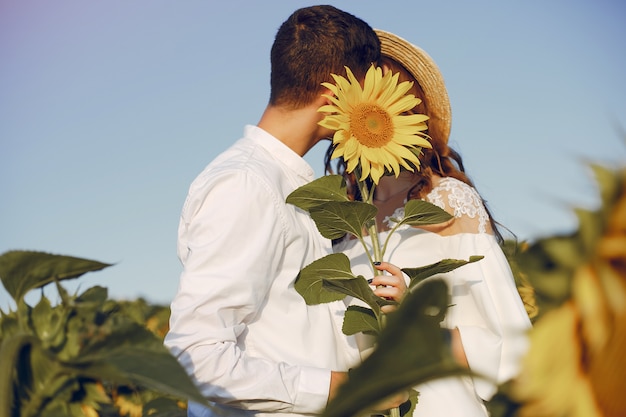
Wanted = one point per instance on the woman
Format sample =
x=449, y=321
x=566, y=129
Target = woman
x=487, y=319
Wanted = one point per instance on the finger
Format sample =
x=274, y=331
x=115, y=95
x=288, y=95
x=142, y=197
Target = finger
x=389, y=308
x=395, y=281
x=390, y=293
x=386, y=266
x=390, y=280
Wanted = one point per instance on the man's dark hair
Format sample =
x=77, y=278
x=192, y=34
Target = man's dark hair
x=313, y=43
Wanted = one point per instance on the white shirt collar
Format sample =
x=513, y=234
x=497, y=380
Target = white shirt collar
x=281, y=152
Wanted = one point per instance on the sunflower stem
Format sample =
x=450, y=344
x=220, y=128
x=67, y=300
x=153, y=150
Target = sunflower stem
x=372, y=230
x=372, y=227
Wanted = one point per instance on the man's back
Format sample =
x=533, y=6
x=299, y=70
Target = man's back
x=238, y=317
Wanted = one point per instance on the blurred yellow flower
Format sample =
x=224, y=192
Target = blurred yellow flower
x=127, y=406
x=552, y=382
x=88, y=411
x=370, y=127
x=575, y=365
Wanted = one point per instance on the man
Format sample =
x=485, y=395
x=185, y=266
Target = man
x=238, y=326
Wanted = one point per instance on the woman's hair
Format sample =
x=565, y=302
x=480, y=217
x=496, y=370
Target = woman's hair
x=441, y=160
x=313, y=43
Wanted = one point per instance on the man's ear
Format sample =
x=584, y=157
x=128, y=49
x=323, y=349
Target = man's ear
x=323, y=98
x=385, y=68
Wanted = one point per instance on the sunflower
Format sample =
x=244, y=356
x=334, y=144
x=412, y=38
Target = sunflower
x=370, y=128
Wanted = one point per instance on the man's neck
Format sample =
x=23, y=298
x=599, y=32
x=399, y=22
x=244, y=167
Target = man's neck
x=298, y=129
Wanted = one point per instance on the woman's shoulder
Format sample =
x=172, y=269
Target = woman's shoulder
x=451, y=185
x=462, y=201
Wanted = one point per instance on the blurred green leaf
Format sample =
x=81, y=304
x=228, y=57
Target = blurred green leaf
x=49, y=323
x=322, y=190
x=164, y=407
x=132, y=354
x=148, y=368
x=8, y=325
x=22, y=271
x=12, y=369
x=95, y=294
x=51, y=381
x=336, y=218
x=410, y=350
x=446, y=265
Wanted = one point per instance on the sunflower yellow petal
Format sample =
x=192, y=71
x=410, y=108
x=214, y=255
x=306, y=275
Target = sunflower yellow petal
x=365, y=168
x=413, y=119
x=372, y=155
x=352, y=148
x=403, y=87
x=377, y=171
x=394, y=164
x=328, y=108
x=402, y=152
x=370, y=82
x=331, y=87
x=353, y=82
x=403, y=104
x=388, y=94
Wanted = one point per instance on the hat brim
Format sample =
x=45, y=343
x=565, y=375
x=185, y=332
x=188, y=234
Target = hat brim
x=422, y=67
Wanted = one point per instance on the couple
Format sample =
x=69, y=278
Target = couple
x=247, y=338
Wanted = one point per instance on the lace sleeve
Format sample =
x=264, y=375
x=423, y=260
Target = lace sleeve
x=464, y=203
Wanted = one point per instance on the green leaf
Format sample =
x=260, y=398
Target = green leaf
x=360, y=320
x=322, y=190
x=22, y=271
x=133, y=355
x=9, y=324
x=49, y=376
x=422, y=213
x=149, y=368
x=49, y=323
x=446, y=265
x=334, y=219
x=550, y=270
x=11, y=352
x=310, y=280
x=96, y=294
x=410, y=351
x=163, y=407
x=360, y=289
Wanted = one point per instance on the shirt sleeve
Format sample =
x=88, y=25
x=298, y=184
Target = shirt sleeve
x=230, y=241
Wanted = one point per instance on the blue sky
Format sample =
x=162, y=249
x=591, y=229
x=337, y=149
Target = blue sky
x=108, y=110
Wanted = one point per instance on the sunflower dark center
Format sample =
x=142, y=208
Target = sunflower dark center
x=371, y=125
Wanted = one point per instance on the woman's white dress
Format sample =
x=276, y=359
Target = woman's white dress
x=485, y=304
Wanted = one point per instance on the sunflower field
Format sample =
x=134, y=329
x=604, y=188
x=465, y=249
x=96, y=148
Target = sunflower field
x=86, y=356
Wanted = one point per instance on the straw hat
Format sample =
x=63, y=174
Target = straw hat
x=427, y=74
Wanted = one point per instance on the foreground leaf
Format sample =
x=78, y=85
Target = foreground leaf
x=410, y=351
x=131, y=354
